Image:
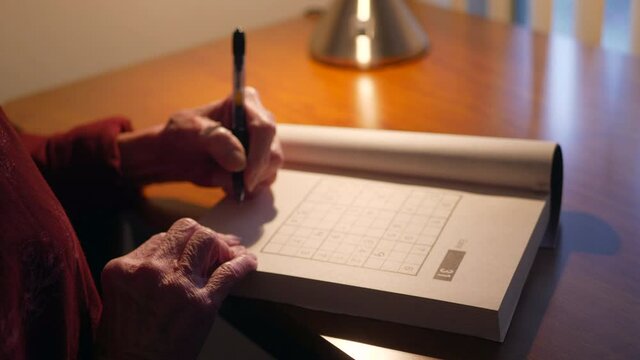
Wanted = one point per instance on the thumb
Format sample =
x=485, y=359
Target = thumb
x=224, y=147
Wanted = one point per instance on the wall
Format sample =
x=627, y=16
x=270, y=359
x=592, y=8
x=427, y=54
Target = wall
x=46, y=43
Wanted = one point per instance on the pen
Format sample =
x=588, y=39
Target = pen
x=239, y=124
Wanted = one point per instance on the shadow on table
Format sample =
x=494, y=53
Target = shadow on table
x=579, y=233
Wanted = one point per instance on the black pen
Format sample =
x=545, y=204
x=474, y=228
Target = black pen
x=239, y=125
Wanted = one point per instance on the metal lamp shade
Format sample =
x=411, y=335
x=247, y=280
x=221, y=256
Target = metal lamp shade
x=367, y=34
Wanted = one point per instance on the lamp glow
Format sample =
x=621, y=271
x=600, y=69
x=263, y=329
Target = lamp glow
x=367, y=101
x=363, y=12
x=363, y=49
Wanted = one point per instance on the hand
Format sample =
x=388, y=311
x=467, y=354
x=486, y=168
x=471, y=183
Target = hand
x=161, y=299
x=196, y=145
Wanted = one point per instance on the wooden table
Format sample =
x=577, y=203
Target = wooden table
x=581, y=300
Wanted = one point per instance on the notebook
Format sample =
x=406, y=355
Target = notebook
x=429, y=230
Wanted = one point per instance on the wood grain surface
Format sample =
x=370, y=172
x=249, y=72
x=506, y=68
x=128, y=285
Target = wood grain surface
x=582, y=300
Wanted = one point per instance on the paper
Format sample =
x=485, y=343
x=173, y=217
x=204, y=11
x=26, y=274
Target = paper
x=396, y=250
x=514, y=163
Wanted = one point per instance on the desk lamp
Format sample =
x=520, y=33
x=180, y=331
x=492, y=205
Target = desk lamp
x=367, y=34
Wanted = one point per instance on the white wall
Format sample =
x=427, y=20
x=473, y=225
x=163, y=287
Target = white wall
x=46, y=43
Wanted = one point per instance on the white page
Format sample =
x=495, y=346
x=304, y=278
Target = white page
x=491, y=230
x=515, y=163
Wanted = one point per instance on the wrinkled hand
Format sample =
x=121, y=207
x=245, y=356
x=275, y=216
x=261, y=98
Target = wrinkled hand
x=196, y=145
x=161, y=299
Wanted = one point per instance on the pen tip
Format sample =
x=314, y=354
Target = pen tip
x=238, y=42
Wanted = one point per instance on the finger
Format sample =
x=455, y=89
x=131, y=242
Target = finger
x=276, y=158
x=204, y=251
x=268, y=176
x=263, y=185
x=212, y=108
x=262, y=131
x=252, y=95
x=221, y=110
x=237, y=250
x=222, y=146
x=176, y=238
x=230, y=239
x=208, y=126
x=229, y=274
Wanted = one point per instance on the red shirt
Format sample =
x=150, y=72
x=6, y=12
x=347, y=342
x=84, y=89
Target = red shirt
x=49, y=305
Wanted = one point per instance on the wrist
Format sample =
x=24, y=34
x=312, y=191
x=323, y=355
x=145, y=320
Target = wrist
x=138, y=156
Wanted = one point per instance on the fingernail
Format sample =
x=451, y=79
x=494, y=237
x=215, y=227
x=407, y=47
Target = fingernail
x=251, y=184
x=237, y=160
x=250, y=256
x=234, y=238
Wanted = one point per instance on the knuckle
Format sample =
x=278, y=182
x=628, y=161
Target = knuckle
x=222, y=134
x=183, y=224
x=277, y=159
x=124, y=270
x=269, y=115
x=207, y=233
x=112, y=271
x=146, y=270
x=211, y=127
x=250, y=91
x=202, y=236
x=187, y=221
x=266, y=128
x=184, y=119
x=178, y=116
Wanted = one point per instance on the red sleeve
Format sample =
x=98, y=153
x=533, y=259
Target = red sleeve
x=82, y=166
x=49, y=306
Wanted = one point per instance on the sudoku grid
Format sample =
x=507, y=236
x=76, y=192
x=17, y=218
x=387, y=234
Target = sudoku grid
x=366, y=224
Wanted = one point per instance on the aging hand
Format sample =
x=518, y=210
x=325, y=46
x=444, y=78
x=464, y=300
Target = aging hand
x=196, y=145
x=161, y=299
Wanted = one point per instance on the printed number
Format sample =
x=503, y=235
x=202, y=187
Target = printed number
x=445, y=271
